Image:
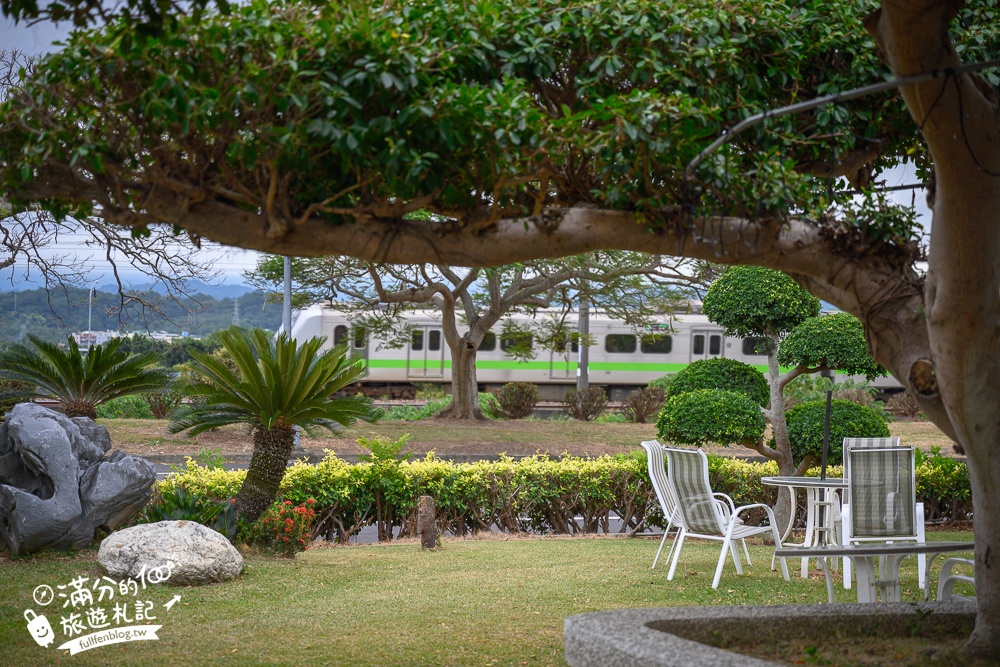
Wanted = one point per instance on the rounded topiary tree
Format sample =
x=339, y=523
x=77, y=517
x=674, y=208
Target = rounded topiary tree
x=711, y=415
x=725, y=374
x=806, y=422
x=753, y=301
x=835, y=341
x=759, y=302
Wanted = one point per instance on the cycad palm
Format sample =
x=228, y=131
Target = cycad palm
x=277, y=384
x=80, y=382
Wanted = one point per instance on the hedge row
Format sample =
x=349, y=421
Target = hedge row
x=539, y=494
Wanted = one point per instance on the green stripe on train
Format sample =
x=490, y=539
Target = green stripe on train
x=489, y=364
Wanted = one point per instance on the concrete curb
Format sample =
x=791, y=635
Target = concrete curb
x=662, y=637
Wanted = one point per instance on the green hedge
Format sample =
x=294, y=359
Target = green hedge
x=538, y=494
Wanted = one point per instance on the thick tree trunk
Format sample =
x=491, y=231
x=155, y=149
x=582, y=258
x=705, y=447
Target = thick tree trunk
x=79, y=408
x=464, y=386
x=271, y=449
x=959, y=117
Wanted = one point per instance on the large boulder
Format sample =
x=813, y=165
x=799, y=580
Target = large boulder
x=58, y=484
x=183, y=553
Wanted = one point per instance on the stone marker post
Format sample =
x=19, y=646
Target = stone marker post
x=426, y=522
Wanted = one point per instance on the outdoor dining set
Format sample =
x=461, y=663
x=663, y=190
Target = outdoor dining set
x=871, y=513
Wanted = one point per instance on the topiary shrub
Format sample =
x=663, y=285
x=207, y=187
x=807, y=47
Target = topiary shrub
x=642, y=404
x=724, y=374
x=517, y=399
x=711, y=415
x=847, y=420
x=757, y=301
x=834, y=341
x=586, y=405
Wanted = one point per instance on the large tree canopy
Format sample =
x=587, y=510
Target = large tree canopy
x=552, y=128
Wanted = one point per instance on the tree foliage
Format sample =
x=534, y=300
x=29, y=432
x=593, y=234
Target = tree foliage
x=806, y=424
x=835, y=341
x=758, y=301
x=354, y=109
x=705, y=416
x=726, y=374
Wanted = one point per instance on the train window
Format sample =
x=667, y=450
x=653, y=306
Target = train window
x=489, y=342
x=751, y=345
x=507, y=342
x=359, y=339
x=698, y=345
x=656, y=345
x=434, y=340
x=562, y=341
x=417, y=341
x=619, y=343
x=339, y=334
x=714, y=345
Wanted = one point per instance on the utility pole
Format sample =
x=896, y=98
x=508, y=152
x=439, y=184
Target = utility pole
x=286, y=324
x=583, y=329
x=90, y=316
x=286, y=305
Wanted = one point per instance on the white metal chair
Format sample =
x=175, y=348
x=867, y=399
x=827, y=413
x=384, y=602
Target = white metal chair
x=701, y=514
x=882, y=503
x=948, y=578
x=658, y=476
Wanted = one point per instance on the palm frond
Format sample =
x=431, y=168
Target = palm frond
x=279, y=382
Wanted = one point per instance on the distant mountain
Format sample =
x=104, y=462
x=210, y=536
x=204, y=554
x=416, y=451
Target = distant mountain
x=224, y=291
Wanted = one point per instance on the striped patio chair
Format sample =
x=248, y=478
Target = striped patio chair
x=882, y=488
x=869, y=443
x=658, y=477
x=702, y=514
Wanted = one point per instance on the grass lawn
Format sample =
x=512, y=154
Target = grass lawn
x=472, y=602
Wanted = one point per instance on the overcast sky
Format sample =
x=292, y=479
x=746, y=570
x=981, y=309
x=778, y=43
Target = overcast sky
x=232, y=262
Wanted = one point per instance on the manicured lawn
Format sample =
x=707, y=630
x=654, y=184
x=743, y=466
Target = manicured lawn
x=473, y=602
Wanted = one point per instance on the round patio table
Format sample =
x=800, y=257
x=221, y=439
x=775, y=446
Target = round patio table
x=821, y=495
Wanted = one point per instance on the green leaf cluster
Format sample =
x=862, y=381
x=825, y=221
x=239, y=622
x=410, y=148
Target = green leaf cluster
x=835, y=341
x=80, y=380
x=460, y=107
x=273, y=384
x=707, y=416
x=806, y=423
x=758, y=301
x=721, y=373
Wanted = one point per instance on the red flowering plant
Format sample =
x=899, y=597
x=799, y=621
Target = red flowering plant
x=288, y=527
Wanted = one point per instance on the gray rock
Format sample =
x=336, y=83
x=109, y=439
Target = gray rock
x=190, y=552
x=57, y=487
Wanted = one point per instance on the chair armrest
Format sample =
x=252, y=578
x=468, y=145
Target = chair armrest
x=727, y=499
x=746, y=507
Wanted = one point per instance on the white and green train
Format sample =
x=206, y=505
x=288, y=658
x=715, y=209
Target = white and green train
x=620, y=360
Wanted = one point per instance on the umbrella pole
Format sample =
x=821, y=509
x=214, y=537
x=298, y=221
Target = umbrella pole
x=822, y=469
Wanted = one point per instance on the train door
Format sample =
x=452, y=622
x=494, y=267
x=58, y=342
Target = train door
x=706, y=344
x=563, y=359
x=355, y=339
x=425, y=356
